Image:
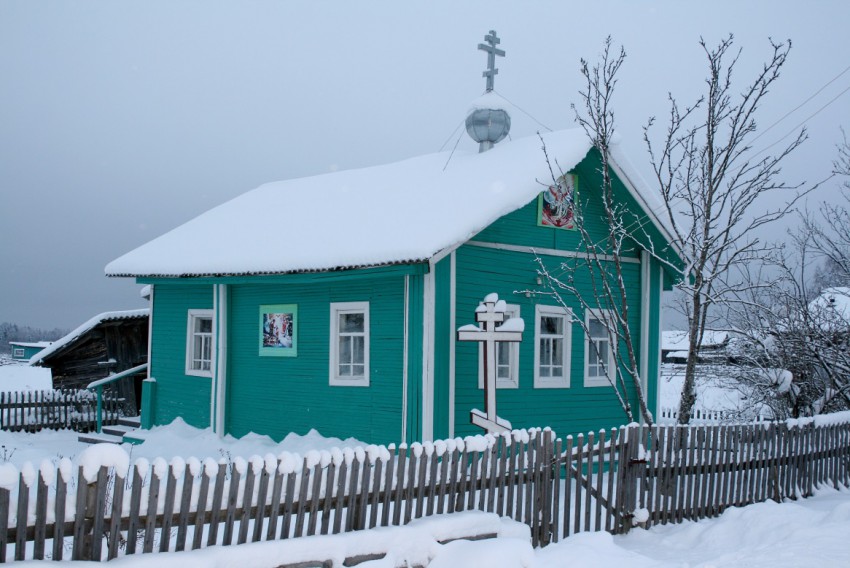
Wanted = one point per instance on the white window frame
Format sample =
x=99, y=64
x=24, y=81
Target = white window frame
x=512, y=382
x=18, y=352
x=338, y=308
x=190, y=343
x=563, y=381
x=605, y=317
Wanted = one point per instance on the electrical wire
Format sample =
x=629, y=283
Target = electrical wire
x=811, y=116
x=451, y=136
x=519, y=108
x=796, y=108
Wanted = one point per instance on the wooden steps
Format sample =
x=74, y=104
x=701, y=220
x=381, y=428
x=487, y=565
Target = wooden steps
x=112, y=434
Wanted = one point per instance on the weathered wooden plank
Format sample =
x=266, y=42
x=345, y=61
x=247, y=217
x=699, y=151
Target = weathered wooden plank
x=711, y=471
x=364, y=494
x=330, y=478
x=168, y=508
x=339, y=498
x=315, y=492
x=262, y=498
x=398, y=501
x=566, y=517
x=600, y=469
x=375, y=499
x=277, y=489
x=545, y=460
x=388, y=488
x=97, y=512
x=758, y=462
x=354, y=476
x=433, y=472
x=588, y=506
x=445, y=460
x=114, y=541
x=135, y=509
x=514, y=494
x=231, y=502
x=153, y=502
x=251, y=475
x=557, y=463
x=686, y=443
x=185, y=506
x=683, y=439
x=289, y=496
x=651, y=478
x=461, y=481
x=302, y=499
x=483, y=482
x=40, y=517
x=610, y=512
x=215, y=506
x=472, y=480
x=414, y=457
x=421, y=483
x=200, y=512
x=529, y=483
x=502, y=475
x=579, y=474
x=78, y=552
x=4, y=522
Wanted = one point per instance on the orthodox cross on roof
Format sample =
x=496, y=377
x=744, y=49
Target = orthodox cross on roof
x=488, y=314
x=490, y=47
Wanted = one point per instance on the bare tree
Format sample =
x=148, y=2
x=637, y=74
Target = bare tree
x=713, y=184
x=800, y=325
x=602, y=260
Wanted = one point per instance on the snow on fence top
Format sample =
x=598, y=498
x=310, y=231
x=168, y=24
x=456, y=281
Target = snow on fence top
x=114, y=456
x=413, y=209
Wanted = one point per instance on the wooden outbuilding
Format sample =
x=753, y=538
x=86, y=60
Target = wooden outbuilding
x=105, y=344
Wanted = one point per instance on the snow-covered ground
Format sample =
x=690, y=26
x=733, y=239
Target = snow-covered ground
x=20, y=376
x=716, y=391
x=177, y=439
x=810, y=532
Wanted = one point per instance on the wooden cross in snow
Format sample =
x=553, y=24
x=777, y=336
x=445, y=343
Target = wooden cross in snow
x=488, y=314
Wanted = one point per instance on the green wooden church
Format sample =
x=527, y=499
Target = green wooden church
x=332, y=302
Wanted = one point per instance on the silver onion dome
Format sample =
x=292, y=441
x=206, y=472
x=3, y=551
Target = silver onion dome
x=488, y=126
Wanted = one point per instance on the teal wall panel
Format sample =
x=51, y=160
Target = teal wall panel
x=443, y=338
x=415, y=299
x=279, y=395
x=177, y=394
x=567, y=410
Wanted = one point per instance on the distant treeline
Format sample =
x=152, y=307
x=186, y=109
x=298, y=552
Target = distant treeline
x=14, y=332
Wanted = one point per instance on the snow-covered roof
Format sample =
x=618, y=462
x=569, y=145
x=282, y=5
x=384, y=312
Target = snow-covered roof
x=88, y=325
x=832, y=308
x=678, y=340
x=396, y=213
x=30, y=343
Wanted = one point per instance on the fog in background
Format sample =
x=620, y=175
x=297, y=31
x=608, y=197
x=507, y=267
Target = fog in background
x=121, y=120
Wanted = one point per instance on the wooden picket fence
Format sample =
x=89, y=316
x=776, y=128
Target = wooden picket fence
x=607, y=481
x=57, y=409
x=701, y=415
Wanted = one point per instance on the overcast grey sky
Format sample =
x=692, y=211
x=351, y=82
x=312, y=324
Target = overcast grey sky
x=121, y=120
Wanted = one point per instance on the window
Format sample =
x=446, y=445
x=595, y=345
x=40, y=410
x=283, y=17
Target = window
x=349, y=349
x=17, y=352
x=598, y=356
x=507, y=358
x=552, y=333
x=199, y=338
